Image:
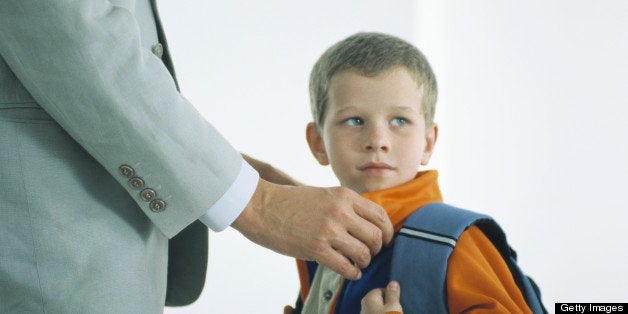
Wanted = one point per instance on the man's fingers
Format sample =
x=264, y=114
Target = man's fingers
x=376, y=215
x=353, y=249
x=331, y=225
x=364, y=224
x=366, y=233
x=340, y=264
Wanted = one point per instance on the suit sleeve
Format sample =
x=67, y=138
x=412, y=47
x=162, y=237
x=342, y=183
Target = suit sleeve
x=478, y=279
x=83, y=63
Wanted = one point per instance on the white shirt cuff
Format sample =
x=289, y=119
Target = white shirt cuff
x=222, y=214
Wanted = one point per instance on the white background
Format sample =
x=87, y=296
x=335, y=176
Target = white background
x=532, y=113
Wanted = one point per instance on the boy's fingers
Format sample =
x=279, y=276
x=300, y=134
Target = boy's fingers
x=391, y=297
x=373, y=302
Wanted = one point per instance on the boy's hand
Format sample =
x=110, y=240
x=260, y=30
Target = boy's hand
x=332, y=226
x=380, y=301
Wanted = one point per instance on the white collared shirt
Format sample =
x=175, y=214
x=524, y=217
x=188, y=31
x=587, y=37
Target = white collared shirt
x=231, y=204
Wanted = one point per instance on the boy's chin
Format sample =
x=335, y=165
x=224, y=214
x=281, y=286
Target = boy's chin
x=368, y=187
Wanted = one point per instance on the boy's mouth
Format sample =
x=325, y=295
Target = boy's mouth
x=377, y=168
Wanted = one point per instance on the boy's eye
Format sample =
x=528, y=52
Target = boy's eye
x=399, y=121
x=354, y=121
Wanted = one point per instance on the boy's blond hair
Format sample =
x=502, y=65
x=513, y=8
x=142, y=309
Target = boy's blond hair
x=370, y=54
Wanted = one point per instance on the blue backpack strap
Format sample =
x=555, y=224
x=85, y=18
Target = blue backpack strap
x=422, y=249
x=420, y=266
x=530, y=291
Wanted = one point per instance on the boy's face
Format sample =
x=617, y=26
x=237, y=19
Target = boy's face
x=374, y=133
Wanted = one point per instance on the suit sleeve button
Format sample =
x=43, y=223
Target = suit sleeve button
x=127, y=171
x=148, y=194
x=136, y=183
x=158, y=50
x=157, y=205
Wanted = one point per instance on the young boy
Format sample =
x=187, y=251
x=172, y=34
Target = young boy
x=373, y=98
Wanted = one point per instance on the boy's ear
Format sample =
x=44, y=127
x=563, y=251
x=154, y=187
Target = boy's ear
x=315, y=141
x=431, y=134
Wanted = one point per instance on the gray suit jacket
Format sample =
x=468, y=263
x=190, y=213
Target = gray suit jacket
x=84, y=98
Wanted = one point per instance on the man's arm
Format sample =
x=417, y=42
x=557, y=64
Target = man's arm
x=83, y=62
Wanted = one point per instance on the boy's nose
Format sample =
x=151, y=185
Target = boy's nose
x=375, y=147
x=376, y=141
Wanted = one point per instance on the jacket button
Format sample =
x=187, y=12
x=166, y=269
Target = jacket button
x=328, y=295
x=148, y=194
x=127, y=171
x=158, y=50
x=157, y=205
x=136, y=183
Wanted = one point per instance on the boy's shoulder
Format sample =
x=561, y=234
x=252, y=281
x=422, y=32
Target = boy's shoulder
x=429, y=237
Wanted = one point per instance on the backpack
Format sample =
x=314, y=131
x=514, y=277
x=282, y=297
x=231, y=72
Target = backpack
x=427, y=239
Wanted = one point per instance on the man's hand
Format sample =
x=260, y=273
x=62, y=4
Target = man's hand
x=332, y=226
x=380, y=301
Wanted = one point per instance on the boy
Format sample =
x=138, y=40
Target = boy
x=373, y=98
